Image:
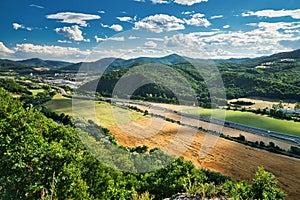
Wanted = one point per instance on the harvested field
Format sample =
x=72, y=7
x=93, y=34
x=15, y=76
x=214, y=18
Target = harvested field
x=230, y=158
x=206, y=125
x=265, y=102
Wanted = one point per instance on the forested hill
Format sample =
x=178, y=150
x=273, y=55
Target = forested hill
x=276, y=76
x=30, y=65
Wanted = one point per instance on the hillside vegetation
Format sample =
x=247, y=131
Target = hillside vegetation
x=275, y=77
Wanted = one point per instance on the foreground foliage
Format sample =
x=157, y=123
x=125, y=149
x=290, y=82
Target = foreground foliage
x=41, y=159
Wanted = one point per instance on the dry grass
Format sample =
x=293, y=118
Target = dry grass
x=265, y=102
x=230, y=158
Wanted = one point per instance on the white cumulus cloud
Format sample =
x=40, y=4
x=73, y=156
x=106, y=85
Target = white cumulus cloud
x=181, y=40
x=274, y=13
x=16, y=26
x=28, y=50
x=73, y=18
x=115, y=27
x=162, y=22
x=72, y=33
x=266, y=38
x=4, y=50
x=189, y=2
x=226, y=26
x=159, y=23
x=125, y=19
x=198, y=20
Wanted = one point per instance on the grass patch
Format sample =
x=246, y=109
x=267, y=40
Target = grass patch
x=36, y=91
x=102, y=113
x=252, y=119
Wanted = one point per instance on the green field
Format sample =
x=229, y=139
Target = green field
x=101, y=112
x=251, y=119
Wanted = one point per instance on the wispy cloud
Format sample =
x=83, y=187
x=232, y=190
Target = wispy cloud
x=226, y=26
x=274, y=13
x=150, y=44
x=187, y=12
x=125, y=19
x=64, y=41
x=17, y=26
x=155, y=39
x=73, y=18
x=160, y=1
x=118, y=39
x=37, y=6
x=131, y=37
x=189, y=2
x=216, y=17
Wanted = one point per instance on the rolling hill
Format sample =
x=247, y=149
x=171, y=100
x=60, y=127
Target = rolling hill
x=51, y=64
x=275, y=76
x=30, y=65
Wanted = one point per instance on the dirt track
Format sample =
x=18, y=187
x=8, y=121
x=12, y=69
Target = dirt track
x=230, y=158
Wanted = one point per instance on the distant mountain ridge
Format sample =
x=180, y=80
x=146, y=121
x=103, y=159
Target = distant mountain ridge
x=119, y=63
x=52, y=64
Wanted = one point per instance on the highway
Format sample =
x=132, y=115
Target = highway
x=292, y=139
x=285, y=138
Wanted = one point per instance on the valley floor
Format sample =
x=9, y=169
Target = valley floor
x=211, y=152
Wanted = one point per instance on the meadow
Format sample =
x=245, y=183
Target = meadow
x=102, y=113
x=251, y=119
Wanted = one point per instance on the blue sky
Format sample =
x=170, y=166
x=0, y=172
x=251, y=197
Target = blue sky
x=76, y=30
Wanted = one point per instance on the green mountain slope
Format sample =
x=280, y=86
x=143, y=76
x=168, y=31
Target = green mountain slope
x=276, y=76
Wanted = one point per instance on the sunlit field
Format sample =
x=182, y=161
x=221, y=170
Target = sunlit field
x=255, y=120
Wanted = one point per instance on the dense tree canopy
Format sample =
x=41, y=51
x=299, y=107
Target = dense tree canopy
x=276, y=79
